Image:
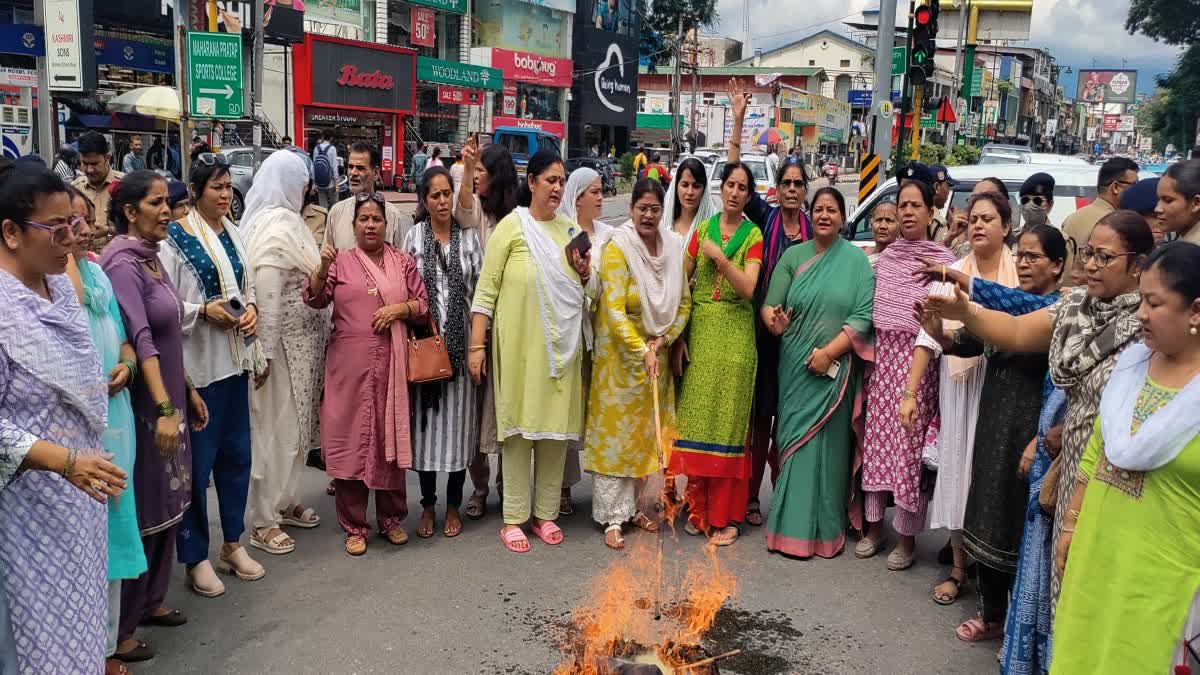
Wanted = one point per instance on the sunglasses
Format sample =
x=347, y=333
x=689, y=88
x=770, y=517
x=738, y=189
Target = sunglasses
x=376, y=197
x=61, y=232
x=212, y=158
x=1036, y=199
x=793, y=183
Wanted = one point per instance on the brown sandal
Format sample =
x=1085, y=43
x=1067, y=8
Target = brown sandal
x=356, y=545
x=452, y=517
x=947, y=598
x=425, y=526
x=477, y=506
x=643, y=521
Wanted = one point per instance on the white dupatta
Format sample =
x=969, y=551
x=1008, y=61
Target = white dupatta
x=561, y=300
x=659, y=278
x=1163, y=435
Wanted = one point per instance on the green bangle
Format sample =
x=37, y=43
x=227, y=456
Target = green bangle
x=166, y=409
x=131, y=366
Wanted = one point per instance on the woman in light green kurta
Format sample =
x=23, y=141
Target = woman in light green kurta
x=1133, y=563
x=535, y=298
x=645, y=306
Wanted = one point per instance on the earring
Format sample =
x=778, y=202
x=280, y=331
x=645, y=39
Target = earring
x=1193, y=330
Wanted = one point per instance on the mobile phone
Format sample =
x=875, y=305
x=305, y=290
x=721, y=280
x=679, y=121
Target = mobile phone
x=236, y=309
x=834, y=369
x=581, y=244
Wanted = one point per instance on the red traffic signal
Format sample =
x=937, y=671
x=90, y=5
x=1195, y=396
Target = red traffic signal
x=923, y=16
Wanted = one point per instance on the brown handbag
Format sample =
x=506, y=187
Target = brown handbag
x=1048, y=497
x=428, y=360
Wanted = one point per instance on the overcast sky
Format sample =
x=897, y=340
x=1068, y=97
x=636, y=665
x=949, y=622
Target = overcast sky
x=1074, y=31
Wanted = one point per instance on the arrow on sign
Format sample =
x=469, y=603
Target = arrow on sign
x=227, y=91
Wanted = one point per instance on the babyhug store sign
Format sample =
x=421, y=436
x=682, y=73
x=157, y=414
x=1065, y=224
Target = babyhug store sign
x=524, y=67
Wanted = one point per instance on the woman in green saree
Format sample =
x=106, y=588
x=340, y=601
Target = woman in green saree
x=819, y=301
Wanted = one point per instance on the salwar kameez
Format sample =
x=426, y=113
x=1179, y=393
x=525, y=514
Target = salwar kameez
x=829, y=293
x=718, y=386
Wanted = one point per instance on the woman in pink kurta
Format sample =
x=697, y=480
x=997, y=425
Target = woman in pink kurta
x=376, y=290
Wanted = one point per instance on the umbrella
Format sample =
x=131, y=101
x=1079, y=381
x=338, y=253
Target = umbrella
x=770, y=136
x=160, y=102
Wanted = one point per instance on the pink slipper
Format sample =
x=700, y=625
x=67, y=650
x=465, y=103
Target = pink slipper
x=513, y=537
x=549, y=533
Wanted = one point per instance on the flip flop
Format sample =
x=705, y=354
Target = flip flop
x=754, y=514
x=975, y=630
x=547, y=531
x=512, y=537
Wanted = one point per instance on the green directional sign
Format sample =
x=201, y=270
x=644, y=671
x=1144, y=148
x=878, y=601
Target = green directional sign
x=899, y=60
x=928, y=121
x=215, y=75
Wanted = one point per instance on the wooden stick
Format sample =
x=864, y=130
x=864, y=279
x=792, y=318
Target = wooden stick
x=711, y=659
x=657, y=424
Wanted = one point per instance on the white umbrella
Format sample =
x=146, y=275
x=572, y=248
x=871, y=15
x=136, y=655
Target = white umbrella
x=160, y=102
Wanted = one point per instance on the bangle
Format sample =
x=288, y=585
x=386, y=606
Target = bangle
x=477, y=348
x=69, y=466
x=203, y=312
x=1066, y=531
x=187, y=381
x=1072, y=513
x=131, y=366
x=906, y=393
x=166, y=409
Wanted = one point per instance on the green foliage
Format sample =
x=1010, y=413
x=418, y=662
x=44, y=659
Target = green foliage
x=660, y=25
x=626, y=161
x=1171, y=114
x=932, y=153
x=962, y=155
x=1175, y=22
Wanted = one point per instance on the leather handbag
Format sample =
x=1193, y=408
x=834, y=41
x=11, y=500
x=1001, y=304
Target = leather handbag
x=428, y=359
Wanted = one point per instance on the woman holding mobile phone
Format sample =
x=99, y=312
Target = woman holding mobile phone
x=826, y=288
x=206, y=258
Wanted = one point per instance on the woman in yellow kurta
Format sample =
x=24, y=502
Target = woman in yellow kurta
x=535, y=299
x=644, y=308
x=1133, y=566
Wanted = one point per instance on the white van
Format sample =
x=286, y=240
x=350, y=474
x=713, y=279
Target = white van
x=1074, y=188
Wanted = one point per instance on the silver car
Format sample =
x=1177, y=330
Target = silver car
x=241, y=173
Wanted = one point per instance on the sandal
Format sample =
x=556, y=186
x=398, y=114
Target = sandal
x=643, y=521
x=754, y=514
x=240, y=564
x=565, y=506
x=692, y=529
x=356, y=544
x=477, y=506
x=943, y=598
x=396, y=536
x=279, y=544
x=724, y=537
x=306, y=518
x=113, y=666
x=975, y=630
x=172, y=619
x=331, y=489
x=452, y=518
x=548, y=532
x=514, y=540
x=142, y=652
x=425, y=526
x=616, y=543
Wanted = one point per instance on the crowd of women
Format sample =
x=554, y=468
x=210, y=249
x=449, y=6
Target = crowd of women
x=193, y=352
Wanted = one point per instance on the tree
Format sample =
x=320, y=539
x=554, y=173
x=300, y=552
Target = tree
x=1175, y=22
x=661, y=20
x=1176, y=117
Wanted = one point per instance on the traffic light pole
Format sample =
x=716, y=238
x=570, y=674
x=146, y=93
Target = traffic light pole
x=904, y=98
x=882, y=143
x=918, y=96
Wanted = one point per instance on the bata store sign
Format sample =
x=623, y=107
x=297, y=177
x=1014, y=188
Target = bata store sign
x=525, y=67
x=341, y=73
x=557, y=128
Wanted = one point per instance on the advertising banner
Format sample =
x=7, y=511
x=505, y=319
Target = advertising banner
x=833, y=119
x=557, y=128
x=421, y=30
x=283, y=21
x=1112, y=123
x=459, y=96
x=615, y=16
x=64, y=53
x=1128, y=123
x=1107, y=86
x=520, y=26
x=758, y=118
x=345, y=12
x=22, y=38
x=455, y=6
x=458, y=74
x=508, y=104
x=560, y=5
x=143, y=56
x=18, y=77
x=608, y=85
x=526, y=67
x=346, y=74
x=860, y=98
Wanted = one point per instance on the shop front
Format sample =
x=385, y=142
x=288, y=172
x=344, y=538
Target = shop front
x=535, y=91
x=354, y=91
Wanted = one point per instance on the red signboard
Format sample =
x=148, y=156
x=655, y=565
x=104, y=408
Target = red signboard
x=1112, y=122
x=423, y=20
x=459, y=96
x=510, y=99
x=535, y=68
x=557, y=128
x=352, y=77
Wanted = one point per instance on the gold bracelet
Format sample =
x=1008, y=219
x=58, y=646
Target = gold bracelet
x=476, y=348
x=1066, y=531
x=907, y=394
x=1072, y=513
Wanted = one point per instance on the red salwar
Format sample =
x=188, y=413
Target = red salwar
x=715, y=503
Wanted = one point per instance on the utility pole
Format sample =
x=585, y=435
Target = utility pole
x=45, y=107
x=952, y=130
x=882, y=140
x=676, y=111
x=256, y=84
x=695, y=63
x=464, y=56
x=904, y=99
x=181, y=83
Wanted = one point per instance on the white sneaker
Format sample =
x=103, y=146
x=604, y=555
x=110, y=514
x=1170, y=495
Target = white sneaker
x=204, y=581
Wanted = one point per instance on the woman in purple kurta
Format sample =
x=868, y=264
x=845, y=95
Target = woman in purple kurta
x=162, y=471
x=375, y=289
x=53, y=477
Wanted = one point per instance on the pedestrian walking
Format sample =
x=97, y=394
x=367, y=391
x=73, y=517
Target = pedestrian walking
x=325, y=170
x=377, y=294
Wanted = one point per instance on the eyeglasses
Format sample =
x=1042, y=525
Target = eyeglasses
x=1028, y=256
x=1036, y=199
x=61, y=232
x=1103, y=258
x=376, y=197
x=211, y=158
x=648, y=209
x=792, y=183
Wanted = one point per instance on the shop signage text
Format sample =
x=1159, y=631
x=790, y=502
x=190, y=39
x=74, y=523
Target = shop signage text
x=144, y=56
x=456, y=6
x=533, y=68
x=458, y=74
x=509, y=103
x=215, y=74
x=609, y=89
x=421, y=28
x=459, y=96
x=22, y=38
x=1112, y=122
x=557, y=128
x=376, y=80
x=64, y=56
x=18, y=77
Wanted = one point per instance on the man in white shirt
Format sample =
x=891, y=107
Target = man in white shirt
x=362, y=167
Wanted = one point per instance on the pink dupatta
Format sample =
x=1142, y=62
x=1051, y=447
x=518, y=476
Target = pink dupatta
x=394, y=289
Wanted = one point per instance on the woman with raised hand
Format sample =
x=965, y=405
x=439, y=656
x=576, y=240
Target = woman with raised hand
x=206, y=258
x=891, y=453
x=55, y=473
x=644, y=308
x=819, y=304
x=284, y=405
x=445, y=425
x=1084, y=333
x=725, y=255
x=960, y=383
x=1128, y=543
x=486, y=197
x=164, y=401
x=533, y=290
x=582, y=203
x=782, y=227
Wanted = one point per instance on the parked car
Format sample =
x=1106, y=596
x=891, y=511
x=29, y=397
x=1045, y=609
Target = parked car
x=241, y=174
x=523, y=143
x=707, y=157
x=764, y=182
x=999, y=153
x=1074, y=187
x=602, y=165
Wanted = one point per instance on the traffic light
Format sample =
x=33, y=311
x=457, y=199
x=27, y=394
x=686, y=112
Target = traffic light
x=922, y=45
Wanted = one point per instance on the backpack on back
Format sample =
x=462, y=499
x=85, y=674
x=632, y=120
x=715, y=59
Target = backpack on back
x=322, y=170
x=653, y=173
